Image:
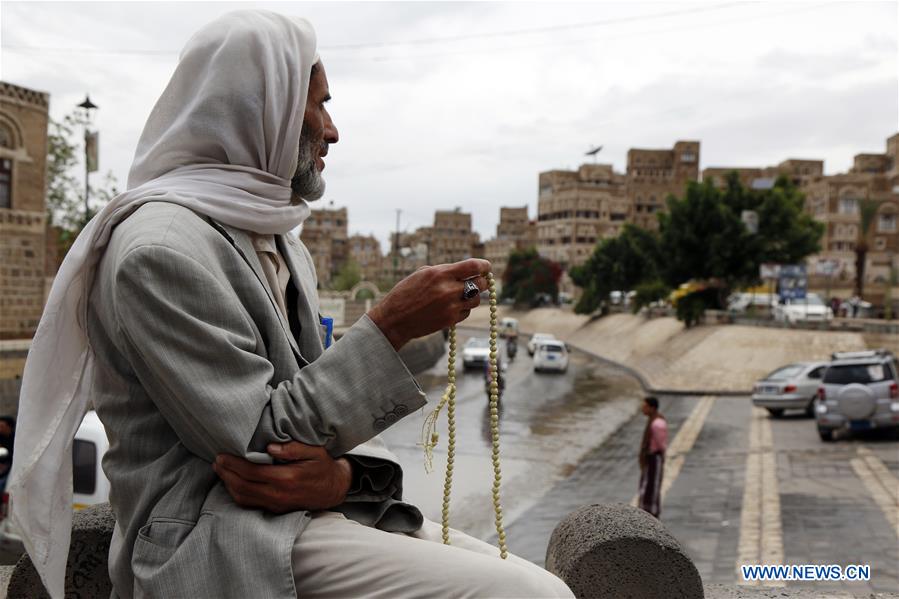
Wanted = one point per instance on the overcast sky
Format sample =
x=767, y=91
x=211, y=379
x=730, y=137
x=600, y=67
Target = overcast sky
x=462, y=104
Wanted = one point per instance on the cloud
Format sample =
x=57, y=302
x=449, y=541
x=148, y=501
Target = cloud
x=471, y=123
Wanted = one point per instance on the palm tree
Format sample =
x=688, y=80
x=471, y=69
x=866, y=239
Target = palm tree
x=867, y=211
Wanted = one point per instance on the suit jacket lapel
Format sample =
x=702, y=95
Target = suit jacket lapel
x=241, y=241
x=302, y=279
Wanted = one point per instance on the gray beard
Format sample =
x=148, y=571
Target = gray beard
x=307, y=183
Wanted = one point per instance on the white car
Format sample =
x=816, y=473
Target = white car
x=809, y=309
x=537, y=338
x=551, y=355
x=89, y=484
x=475, y=352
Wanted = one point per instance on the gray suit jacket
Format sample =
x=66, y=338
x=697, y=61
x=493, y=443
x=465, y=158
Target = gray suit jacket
x=194, y=359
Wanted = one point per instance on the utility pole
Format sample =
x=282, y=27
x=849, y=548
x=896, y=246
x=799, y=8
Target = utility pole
x=396, y=248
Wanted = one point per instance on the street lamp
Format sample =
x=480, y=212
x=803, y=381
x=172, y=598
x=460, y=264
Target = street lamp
x=90, y=147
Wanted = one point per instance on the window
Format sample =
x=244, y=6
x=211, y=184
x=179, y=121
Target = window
x=857, y=373
x=5, y=183
x=6, y=137
x=848, y=206
x=886, y=223
x=817, y=372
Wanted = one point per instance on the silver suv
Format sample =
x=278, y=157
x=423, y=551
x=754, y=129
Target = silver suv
x=859, y=391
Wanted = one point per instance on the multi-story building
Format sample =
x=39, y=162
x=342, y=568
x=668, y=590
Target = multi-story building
x=514, y=232
x=654, y=174
x=324, y=233
x=800, y=171
x=408, y=252
x=365, y=250
x=835, y=201
x=23, y=226
x=576, y=209
x=451, y=239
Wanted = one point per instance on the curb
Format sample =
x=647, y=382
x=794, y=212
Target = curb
x=636, y=373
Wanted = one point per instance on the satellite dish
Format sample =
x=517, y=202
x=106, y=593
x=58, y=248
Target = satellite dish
x=593, y=151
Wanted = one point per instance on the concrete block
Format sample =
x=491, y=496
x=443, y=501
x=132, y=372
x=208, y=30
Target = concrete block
x=87, y=574
x=620, y=552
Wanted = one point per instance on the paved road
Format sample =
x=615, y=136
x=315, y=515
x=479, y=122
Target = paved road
x=740, y=487
x=746, y=488
x=548, y=423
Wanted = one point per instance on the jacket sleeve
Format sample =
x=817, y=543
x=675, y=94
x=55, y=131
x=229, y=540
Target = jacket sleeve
x=201, y=358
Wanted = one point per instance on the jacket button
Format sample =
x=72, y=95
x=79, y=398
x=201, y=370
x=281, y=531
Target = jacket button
x=390, y=418
x=401, y=410
x=379, y=425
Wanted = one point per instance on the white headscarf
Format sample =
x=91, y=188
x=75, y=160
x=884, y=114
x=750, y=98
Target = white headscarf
x=223, y=141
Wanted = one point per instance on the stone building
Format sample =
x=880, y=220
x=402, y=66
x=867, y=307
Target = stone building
x=23, y=214
x=514, y=232
x=451, y=239
x=365, y=250
x=325, y=235
x=800, y=171
x=577, y=209
x=654, y=174
x=835, y=201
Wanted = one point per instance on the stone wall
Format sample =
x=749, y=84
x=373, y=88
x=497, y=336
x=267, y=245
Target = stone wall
x=23, y=133
x=22, y=249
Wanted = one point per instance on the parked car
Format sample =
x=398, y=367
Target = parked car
x=535, y=338
x=809, y=309
x=741, y=302
x=508, y=327
x=475, y=352
x=551, y=355
x=859, y=391
x=791, y=387
x=89, y=483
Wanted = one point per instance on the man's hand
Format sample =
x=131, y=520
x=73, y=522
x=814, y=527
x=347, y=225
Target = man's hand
x=428, y=300
x=311, y=481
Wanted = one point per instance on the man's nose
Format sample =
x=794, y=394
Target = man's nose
x=331, y=135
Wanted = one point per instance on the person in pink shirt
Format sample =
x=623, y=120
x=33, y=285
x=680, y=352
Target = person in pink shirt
x=652, y=457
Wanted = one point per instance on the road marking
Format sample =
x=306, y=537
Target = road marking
x=681, y=445
x=761, y=537
x=881, y=483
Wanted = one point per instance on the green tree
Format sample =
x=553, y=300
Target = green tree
x=348, y=276
x=65, y=188
x=648, y=292
x=703, y=236
x=528, y=276
x=621, y=262
x=867, y=213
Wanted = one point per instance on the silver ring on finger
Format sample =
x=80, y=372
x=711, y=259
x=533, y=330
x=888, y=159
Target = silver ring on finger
x=470, y=289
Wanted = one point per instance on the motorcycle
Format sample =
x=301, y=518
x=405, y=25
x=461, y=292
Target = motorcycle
x=511, y=348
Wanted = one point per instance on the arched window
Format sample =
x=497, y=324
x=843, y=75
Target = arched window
x=7, y=139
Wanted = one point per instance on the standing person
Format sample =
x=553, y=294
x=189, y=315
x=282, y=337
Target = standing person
x=652, y=457
x=7, y=437
x=244, y=459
